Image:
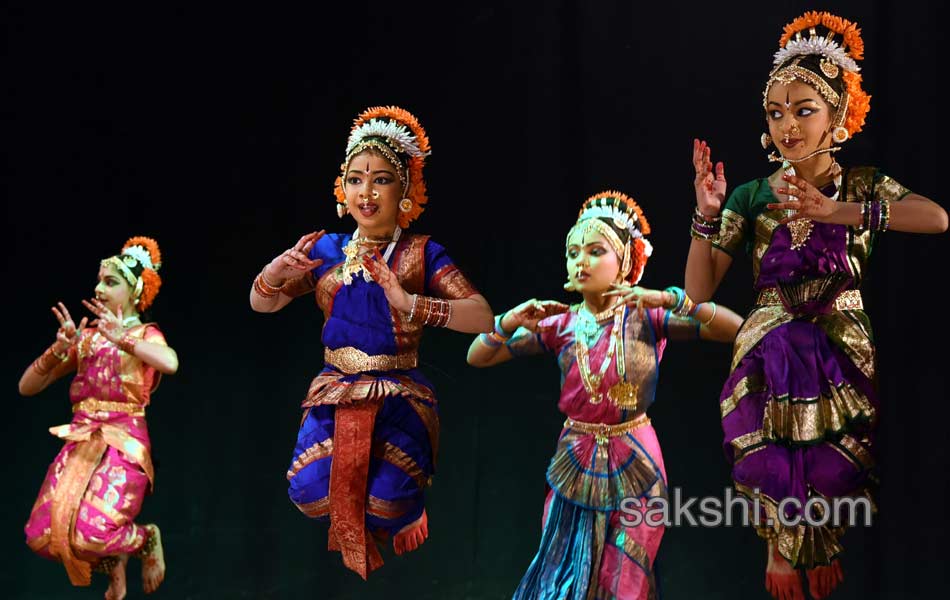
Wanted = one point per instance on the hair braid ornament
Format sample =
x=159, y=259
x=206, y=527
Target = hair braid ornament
x=397, y=135
x=609, y=213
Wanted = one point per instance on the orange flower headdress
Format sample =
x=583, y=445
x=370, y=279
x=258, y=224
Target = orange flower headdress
x=138, y=263
x=826, y=63
x=614, y=214
x=397, y=135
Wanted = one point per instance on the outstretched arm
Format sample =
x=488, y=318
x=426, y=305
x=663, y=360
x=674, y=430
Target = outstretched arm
x=716, y=323
x=913, y=214
x=489, y=349
x=266, y=293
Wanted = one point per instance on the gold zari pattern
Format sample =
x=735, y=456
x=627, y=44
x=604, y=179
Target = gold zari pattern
x=353, y=360
x=90, y=405
x=847, y=300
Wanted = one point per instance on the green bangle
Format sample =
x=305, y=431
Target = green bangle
x=499, y=329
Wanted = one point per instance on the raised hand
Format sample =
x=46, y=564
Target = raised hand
x=528, y=313
x=108, y=323
x=710, y=187
x=640, y=297
x=807, y=201
x=382, y=275
x=293, y=262
x=67, y=334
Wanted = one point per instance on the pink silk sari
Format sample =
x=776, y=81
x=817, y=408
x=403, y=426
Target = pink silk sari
x=94, y=488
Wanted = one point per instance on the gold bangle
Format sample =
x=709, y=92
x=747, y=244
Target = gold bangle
x=711, y=317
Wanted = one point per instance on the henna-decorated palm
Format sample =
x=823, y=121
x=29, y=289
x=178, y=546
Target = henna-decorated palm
x=293, y=262
x=67, y=333
x=640, y=297
x=710, y=187
x=528, y=313
x=808, y=203
x=108, y=323
x=382, y=275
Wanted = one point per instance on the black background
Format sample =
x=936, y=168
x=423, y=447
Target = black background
x=218, y=131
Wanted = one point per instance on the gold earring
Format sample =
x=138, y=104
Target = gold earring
x=765, y=140
x=340, y=209
x=405, y=205
x=840, y=135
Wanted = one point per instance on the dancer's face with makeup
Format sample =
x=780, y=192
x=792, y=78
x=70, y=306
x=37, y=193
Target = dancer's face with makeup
x=799, y=119
x=373, y=191
x=114, y=291
x=592, y=265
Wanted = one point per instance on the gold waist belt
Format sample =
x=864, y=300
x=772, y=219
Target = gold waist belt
x=353, y=360
x=605, y=430
x=846, y=300
x=92, y=405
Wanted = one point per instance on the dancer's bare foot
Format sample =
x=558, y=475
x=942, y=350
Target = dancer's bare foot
x=153, y=561
x=116, y=590
x=412, y=535
x=781, y=580
x=823, y=580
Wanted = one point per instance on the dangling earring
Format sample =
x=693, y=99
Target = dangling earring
x=765, y=140
x=340, y=209
x=840, y=135
x=405, y=205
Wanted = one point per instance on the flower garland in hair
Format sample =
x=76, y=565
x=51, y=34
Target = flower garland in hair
x=404, y=133
x=146, y=252
x=625, y=214
x=844, y=55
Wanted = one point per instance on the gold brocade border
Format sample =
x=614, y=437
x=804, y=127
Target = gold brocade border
x=804, y=546
x=846, y=300
x=409, y=267
x=91, y=405
x=328, y=389
x=430, y=419
x=402, y=461
x=326, y=287
x=353, y=360
x=310, y=455
x=759, y=322
x=64, y=509
x=747, y=385
x=450, y=283
x=744, y=445
x=317, y=508
x=387, y=509
x=854, y=451
x=731, y=232
x=809, y=419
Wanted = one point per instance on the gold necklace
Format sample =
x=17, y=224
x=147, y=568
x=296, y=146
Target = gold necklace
x=354, y=253
x=592, y=381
